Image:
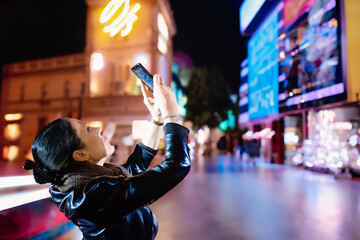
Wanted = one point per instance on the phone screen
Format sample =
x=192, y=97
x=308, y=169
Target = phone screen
x=141, y=72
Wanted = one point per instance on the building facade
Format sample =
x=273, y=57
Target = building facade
x=95, y=85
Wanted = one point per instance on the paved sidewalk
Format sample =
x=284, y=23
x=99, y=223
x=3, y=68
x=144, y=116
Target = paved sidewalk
x=223, y=199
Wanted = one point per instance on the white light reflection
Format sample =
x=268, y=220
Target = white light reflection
x=201, y=136
x=16, y=181
x=358, y=162
x=309, y=164
x=16, y=199
x=353, y=140
x=96, y=61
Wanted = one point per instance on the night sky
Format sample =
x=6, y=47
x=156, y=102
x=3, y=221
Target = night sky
x=207, y=30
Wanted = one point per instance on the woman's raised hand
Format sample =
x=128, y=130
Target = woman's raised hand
x=164, y=98
x=149, y=102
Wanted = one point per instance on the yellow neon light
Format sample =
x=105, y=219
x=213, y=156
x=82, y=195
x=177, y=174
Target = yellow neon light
x=282, y=36
x=126, y=18
x=13, y=116
x=333, y=23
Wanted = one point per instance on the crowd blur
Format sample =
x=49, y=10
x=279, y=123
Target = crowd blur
x=245, y=146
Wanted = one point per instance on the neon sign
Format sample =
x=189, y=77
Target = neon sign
x=124, y=22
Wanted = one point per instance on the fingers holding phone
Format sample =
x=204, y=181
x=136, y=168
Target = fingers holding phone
x=164, y=97
x=149, y=102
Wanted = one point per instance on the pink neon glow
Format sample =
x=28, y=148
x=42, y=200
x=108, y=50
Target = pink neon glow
x=288, y=20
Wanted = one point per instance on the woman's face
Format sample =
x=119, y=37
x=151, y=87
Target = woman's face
x=95, y=147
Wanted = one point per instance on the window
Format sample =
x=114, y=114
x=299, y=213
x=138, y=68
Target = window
x=12, y=131
x=22, y=92
x=41, y=122
x=10, y=152
x=44, y=89
x=67, y=89
x=82, y=93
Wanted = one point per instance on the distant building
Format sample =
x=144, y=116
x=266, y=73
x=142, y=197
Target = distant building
x=96, y=85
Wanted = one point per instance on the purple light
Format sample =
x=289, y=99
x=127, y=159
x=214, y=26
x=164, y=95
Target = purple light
x=318, y=94
x=244, y=88
x=282, y=96
x=243, y=101
x=330, y=5
x=244, y=117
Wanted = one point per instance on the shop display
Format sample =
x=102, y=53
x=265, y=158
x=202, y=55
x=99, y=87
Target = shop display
x=333, y=145
x=354, y=151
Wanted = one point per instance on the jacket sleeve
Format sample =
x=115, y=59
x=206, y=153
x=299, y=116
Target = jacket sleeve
x=140, y=159
x=114, y=198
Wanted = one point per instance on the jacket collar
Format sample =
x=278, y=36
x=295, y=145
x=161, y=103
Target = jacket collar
x=82, y=172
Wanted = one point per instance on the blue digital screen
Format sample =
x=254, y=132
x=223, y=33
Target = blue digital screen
x=263, y=55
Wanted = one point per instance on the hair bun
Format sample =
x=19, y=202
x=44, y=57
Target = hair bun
x=28, y=165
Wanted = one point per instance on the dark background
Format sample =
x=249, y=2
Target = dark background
x=207, y=31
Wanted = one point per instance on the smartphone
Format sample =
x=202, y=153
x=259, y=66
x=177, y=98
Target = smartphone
x=144, y=75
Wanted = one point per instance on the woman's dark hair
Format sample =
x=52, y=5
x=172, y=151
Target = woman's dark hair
x=52, y=150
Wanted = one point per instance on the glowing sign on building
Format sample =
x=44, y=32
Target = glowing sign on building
x=263, y=86
x=125, y=20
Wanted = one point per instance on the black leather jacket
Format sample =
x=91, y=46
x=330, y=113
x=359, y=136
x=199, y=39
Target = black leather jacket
x=111, y=207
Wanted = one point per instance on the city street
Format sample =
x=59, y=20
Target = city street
x=225, y=199
x=278, y=81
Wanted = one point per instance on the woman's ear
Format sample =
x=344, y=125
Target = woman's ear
x=80, y=156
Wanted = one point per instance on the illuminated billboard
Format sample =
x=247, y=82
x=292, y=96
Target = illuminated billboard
x=294, y=59
x=310, y=69
x=263, y=65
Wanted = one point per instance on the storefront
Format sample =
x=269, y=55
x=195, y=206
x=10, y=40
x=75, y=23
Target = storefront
x=297, y=65
x=332, y=140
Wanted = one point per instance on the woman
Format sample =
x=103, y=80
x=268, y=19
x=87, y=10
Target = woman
x=111, y=202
